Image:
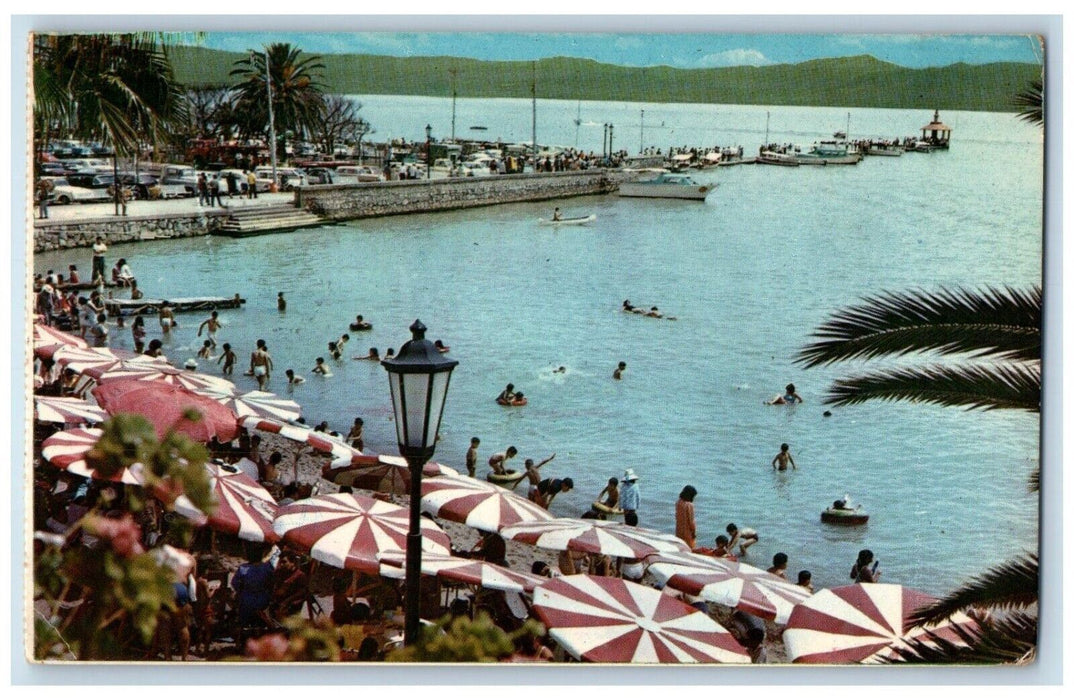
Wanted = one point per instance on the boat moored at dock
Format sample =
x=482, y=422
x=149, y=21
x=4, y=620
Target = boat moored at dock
x=830, y=153
x=667, y=186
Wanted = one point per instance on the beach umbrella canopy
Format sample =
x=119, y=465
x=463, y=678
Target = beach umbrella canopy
x=862, y=623
x=478, y=504
x=158, y=372
x=729, y=583
x=164, y=405
x=322, y=442
x=259, y=404
x=474, y=572
x=47, y=340
x=609, y=620
x=67, y=450
x=243, y=507
x=386, y=473
x=93, y=362
x=67, y=410
x=348, y=531
x=595, y=537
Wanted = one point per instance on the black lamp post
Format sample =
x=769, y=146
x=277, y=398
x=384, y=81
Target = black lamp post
x=419, y=376
x=428, y=151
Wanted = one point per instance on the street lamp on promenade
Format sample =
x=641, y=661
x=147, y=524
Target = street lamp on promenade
x=419, y=376
x=428, y=151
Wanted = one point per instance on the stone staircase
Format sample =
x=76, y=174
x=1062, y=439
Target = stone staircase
x=273, y=218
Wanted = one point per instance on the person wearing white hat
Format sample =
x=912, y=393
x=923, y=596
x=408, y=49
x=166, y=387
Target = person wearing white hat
x=629, y=497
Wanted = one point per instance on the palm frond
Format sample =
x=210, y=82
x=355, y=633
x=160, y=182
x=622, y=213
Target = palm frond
x=1031, y=103
x=1013, y=584
x=993, y=322
x=985, y=387
x=1010, y=639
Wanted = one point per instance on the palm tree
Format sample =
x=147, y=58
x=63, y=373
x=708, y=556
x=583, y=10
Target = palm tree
x=116, y=87
x=999, y=330
x=296, y=89
x=1031, y=103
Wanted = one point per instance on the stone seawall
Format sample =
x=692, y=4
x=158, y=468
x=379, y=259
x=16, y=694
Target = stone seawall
x=340, y=202
x=80, y=233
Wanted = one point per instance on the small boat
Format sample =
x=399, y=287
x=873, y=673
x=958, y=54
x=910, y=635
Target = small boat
x=830, y=153
x=134, y=307
x=667, y=186
x=571, y=221
x=776, y=158
x=508, y=480
x=883, y=149
x=842, y=512
x=479, y=128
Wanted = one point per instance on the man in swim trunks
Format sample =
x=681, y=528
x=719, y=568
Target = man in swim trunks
x=533, y=473
x=166, y=317
x=213, y=323
x=780, y=460
x=745, y=538
x=261, y=364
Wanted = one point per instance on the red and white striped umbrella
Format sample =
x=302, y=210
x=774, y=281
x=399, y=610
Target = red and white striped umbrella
x=166, y=407
x=470, y=571
x=862, y=623
x=47, y=340
x=348, y=531
x=260, y=404
x=729, y=583
x=67, y=410
x=385, y=473
x=609, y=620
x=67, y=450
x=139, y=371
x=322, y=442
x=243, y=507
x=478, y=504
x=79, y=359
x=595, y=537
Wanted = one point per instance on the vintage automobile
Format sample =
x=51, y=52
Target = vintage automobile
x=63, y=192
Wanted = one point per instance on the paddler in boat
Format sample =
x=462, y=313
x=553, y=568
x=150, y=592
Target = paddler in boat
x=556, y=216
x=498, y=461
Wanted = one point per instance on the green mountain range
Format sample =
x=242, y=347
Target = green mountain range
x=857, y=81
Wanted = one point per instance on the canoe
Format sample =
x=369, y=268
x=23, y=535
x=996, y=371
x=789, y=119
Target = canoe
x=134, y=307
x=574, y=221
x=844, y=516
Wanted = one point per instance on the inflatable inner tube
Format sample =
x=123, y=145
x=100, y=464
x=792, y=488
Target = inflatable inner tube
x=601, y=508
x=515, y=402
x=361, y=326
x=843, y=516
x=511, y=477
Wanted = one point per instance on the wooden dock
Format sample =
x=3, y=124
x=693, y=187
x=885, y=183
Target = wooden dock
x=151, y=307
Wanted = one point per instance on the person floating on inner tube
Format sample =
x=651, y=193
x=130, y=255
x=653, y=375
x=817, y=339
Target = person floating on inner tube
x=506, y=396
x=360, y=324
x=790, y=396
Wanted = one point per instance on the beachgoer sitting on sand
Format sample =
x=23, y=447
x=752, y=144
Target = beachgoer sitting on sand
x=374, y=355
x=790, y=396
x=498, y=461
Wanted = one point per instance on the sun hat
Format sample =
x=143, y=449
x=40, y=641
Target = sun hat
x=191, y=364
x=629, y=475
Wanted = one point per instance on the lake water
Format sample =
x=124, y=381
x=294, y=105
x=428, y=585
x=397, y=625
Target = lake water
x=749, y=274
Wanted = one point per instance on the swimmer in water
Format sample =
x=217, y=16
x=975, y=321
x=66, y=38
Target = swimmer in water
x=560, y=370
x=390, y=354
x=780, y=460
x=440, y=347
x=206, y=348
x=321, y=369
x=333, y=350
x=374, y=355
x=507, y=395
x=293, y=379
x=618, y=373
x=790, y=396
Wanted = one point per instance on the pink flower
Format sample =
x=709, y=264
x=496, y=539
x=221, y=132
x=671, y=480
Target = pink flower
x=123, y=534
x=271, y=647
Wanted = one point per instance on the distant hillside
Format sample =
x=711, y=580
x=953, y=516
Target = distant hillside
x=858, y=81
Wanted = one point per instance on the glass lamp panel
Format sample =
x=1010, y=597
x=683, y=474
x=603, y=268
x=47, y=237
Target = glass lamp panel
x=416, y=397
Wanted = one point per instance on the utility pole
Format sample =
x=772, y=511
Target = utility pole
x=271, y=117
x=641, y=148
x=533, y=64
x=454, y=94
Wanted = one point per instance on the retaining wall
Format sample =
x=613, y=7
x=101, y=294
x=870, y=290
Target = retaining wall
x=340, y=202
x=122, y=229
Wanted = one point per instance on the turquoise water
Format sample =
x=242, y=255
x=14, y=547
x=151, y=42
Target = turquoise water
x=749, y=274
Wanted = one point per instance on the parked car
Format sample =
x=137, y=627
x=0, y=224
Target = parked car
x=286, y=178
x=183, y=175
x=54, y=169
x=143, y=185
x=90, y=180
x=352, y=174
x=63, y=192
x=319, y=176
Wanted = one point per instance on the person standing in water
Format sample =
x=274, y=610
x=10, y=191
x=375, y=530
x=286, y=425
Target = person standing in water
x=281, y=303
x=167, y=317
x=213, y=324
x=618, y=373
x=780, y=460
x=471, y=457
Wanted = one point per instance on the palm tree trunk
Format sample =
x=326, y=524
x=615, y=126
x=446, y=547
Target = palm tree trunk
x=115, y=180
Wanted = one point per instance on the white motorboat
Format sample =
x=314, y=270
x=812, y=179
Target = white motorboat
x=777, y=158
x=667, y=186
x=830, y=153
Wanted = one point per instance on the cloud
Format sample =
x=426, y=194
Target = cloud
x=733, y=57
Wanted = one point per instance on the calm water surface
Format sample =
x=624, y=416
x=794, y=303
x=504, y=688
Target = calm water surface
x=749, y=274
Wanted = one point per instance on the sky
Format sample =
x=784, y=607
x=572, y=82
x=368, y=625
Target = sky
x=700, y=50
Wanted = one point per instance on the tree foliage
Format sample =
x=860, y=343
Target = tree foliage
x=338, y=123
x=297, y=87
